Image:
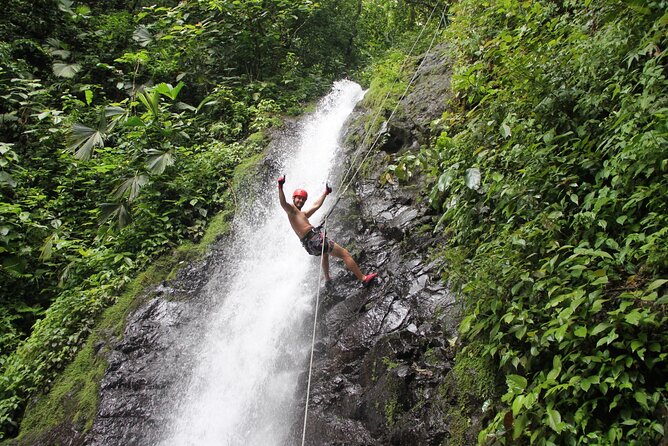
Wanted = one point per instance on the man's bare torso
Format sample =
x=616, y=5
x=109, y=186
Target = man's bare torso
x=299, y=222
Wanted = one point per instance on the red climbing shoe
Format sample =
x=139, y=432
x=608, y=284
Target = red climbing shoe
x=368, y=279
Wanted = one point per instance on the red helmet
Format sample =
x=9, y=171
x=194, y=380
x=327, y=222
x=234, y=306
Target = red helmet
x=300, y=193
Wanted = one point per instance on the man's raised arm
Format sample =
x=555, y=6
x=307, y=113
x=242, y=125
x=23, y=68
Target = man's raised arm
x=281, y=195
x=317, y=203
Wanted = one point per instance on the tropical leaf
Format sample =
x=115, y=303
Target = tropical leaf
x=7, y=179
x=516, y=383
x=116, y=115
x=184, y=106
x=445, y=180
x=209, y=100
x=142, y=36
x=134, y=121
x=8, y=117
x=47, y=248
x=131, y=187
x=115, y=211
x=554, y=420
x=159, y=160
x=505, y=130
x=472, y=178
x=151, y=100
x=55, y=43
x=89, y=96
x=66, y=69
x=113, y=111
x=61, y=53
x=169, y=91
x=84, y=140
x=58, y=48
x=66, y=6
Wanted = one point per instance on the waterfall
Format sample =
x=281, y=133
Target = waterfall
x=244, y=387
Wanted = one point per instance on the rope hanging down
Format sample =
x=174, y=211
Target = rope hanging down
x=315, y=323
x=379, y=134
x=349, y=182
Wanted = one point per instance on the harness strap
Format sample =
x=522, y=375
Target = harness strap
x=308, y=236
x=310, y=233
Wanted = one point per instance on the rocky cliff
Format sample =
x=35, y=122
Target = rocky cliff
x=384, y=355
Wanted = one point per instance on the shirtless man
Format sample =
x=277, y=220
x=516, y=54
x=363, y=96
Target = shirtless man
x=312, y=238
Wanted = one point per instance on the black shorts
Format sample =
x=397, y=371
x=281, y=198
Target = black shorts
x=313, y=241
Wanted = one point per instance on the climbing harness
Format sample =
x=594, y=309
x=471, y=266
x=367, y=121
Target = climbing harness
x=315, y=240
x=349, y=182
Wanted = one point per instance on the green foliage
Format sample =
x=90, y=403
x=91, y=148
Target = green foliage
x=73, y=397
x=468, y=389
x=473, y=376
x=550, y=176
x=121, y=125
x=389, y=80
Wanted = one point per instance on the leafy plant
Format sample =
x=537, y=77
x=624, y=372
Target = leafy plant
x=546, y=178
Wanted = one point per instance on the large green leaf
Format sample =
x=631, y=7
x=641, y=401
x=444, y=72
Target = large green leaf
x=169, y=91
x=151, y=100
x=554, y=420
x=142, y=36
x=209, y=100
x=131, y=186
x=6, y=178
x=68, y=70
x=159, y=160
x=472, y=178
x=84, y=140
x=445, y=180
x=516, y=383
x=117, y=212
x=115, y=114
x=47, y=248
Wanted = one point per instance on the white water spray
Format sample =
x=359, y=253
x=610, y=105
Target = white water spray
x=244, y=387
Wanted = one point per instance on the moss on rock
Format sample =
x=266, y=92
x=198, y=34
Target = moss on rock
x=463, y=394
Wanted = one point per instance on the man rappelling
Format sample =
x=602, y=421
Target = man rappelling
x=313, y=238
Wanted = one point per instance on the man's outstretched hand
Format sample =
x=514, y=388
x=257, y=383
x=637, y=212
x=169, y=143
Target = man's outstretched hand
x=328, y=189
x=281, y=181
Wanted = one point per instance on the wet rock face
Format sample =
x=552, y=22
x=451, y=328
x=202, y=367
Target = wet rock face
x=426, y=101
x=385, y=352
x=137, y=385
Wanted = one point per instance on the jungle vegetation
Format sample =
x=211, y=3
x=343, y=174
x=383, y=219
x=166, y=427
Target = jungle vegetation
x=121, y=124
x=549, y=180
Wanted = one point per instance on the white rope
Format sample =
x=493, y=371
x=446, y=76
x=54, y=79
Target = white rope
x=349, y=180
x=315, y=322
x=389, y=91
x=380, y=109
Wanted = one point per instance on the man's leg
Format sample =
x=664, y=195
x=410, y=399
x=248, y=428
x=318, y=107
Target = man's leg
x=344, y=255
x=325, y=267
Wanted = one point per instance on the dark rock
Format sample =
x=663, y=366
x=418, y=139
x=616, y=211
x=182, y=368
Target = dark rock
x=137, y=385
x=395, y=136
x=390, y=356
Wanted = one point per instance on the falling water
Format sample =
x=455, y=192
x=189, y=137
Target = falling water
x=244, y=388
